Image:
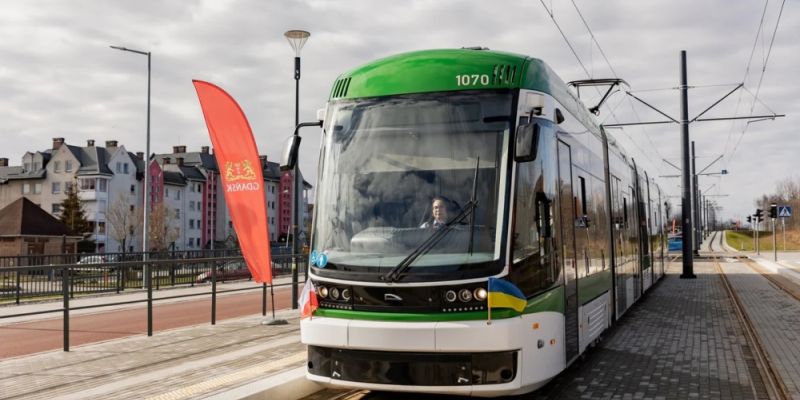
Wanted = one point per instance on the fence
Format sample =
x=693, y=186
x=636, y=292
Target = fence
x=66, y=281
x=42, y=282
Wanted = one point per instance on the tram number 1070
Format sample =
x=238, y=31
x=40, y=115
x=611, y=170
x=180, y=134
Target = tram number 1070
x=472, y=80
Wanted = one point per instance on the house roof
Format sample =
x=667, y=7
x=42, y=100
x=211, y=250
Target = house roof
x=174, y=178
x=24, y=218
x=200, y=159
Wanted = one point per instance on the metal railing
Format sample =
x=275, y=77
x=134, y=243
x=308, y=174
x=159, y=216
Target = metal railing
x=99, y=258
x=36, y=283
x=66, y=281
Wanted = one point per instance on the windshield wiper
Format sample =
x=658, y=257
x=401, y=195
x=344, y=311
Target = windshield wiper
x=439, y=234
x=428, y=244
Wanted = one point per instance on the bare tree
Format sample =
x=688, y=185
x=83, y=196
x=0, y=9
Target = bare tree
x=161, y=233
x=124, y=221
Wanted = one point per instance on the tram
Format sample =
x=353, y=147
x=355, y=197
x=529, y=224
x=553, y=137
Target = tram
x=536, y=194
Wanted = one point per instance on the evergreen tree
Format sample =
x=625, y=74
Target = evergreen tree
x=72, y=213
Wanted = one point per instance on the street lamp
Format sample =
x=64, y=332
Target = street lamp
x=297, y=39
x=146, y=212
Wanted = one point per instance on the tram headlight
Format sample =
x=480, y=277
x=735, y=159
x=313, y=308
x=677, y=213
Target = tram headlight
x=334, y=293
x=465, y=295
x=346, y=294
x=322, y=292
x=480, y=294
x=450, y=296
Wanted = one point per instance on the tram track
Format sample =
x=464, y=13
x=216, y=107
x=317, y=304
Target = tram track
x=771, y=385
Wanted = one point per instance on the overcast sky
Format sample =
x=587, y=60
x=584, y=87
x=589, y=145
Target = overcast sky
x=59, y=78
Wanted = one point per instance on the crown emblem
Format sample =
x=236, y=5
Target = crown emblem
x=239, y=171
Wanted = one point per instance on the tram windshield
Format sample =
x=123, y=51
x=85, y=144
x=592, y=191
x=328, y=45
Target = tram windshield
x=388, y=162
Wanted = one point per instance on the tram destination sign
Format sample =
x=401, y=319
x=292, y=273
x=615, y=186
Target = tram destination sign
x=784, y=211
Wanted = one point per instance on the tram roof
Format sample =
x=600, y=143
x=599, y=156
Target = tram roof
x=428, y=71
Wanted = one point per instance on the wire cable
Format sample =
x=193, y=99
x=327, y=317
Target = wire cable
x=761, y=78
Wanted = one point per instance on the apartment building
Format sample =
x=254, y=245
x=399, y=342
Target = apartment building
x=45, y=177
x=110, y=179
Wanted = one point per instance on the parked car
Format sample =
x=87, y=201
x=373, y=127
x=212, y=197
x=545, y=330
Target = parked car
x=675, y=243
x=92, y=260
x=230, y=271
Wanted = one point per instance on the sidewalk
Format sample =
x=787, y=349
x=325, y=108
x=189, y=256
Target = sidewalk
x=233, y=359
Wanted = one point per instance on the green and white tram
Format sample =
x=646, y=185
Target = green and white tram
x=536, y=194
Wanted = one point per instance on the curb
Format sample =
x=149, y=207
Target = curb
x=289, y=385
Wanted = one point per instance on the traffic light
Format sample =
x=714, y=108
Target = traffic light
x=749, y=219
x=759, y=215
x=773, y=211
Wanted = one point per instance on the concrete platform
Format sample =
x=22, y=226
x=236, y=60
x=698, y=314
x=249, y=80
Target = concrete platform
x=238, y=358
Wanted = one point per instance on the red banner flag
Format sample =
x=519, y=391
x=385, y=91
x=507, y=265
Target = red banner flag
x=240, y=169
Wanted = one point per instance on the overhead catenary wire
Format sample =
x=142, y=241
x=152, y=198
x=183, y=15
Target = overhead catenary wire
x=614, y=73
x=761, y=77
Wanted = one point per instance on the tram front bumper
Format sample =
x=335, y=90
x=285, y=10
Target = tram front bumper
x=468, y=357
x=446, y=336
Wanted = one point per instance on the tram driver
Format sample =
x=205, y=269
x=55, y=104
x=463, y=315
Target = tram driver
x=440, y=213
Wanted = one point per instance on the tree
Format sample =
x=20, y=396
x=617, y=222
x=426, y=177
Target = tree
x=124, y=221
x=73, y=215
x=160, y=232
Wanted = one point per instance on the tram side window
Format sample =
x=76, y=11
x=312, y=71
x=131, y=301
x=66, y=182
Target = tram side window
x=533, y=262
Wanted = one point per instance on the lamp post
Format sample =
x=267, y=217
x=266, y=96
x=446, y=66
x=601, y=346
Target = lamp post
x=146, y=211
x=297, y=39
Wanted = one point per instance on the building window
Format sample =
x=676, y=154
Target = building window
x=56, y=166
x=178, y=195
x=26, y=188
x=68, y=187
x=125, y=168
x=177, y=213
x=67, y=166
x=37, y=188
x=132, y=207
x=56, y=208
x=101, y=227
x=191, y=225
x=87, y=184
x=56, y=189
x=166, y=192
x=27, y=167
x=191, y=205
x=119, y=167
x=102, y=185
x=133, y=189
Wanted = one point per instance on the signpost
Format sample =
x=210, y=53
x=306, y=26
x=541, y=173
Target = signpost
x=783, y=213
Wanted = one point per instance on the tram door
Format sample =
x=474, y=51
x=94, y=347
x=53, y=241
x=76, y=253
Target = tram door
x=567, y=214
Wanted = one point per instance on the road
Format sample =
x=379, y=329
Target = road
x=33, y=337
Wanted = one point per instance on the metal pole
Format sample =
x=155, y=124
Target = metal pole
x=264, y=299
x=147, y=212
x=686, y=205
x=297, y=183
x=783, y=225
x=774, y=242
x=758, y=242
x=695, y=206
x=65, y=293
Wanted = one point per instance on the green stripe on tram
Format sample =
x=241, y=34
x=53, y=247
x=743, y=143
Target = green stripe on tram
x=552, y=300
x=594, y=285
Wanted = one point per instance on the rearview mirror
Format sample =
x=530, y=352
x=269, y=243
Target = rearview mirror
x=289, y=156
x=526, y=142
